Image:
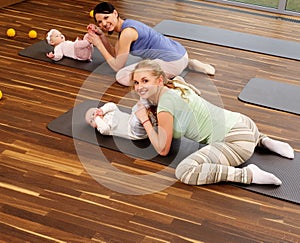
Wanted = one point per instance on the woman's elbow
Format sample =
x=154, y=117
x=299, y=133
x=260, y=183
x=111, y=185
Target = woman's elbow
x=115, y=67
x=164, y=147
x=116, y=64
x=164, y=151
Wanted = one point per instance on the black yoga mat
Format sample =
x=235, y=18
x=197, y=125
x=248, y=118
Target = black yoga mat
x=39, y=49
x=72, y=124
x=229, y=38
x=272, y=94
x=287, y=170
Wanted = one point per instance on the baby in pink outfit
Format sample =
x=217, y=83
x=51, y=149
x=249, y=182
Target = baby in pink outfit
x=78, y=49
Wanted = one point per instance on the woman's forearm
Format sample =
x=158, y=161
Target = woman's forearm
x=108, y=46
x=116, y=63
x=157, y=138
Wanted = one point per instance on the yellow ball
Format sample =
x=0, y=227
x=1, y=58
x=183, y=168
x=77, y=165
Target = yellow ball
x=32, y=34
x=92, y=13
x=0, y=94
x=11, y=32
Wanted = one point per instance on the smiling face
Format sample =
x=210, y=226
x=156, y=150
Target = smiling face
x=107, y=22
x=146, y=84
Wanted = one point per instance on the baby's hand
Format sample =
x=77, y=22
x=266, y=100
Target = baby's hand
x=99, y=112
x=50, y=55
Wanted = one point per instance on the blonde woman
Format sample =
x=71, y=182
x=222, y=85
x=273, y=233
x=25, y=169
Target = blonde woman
x=231, y=137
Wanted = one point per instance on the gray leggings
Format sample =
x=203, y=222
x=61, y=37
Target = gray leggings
x=216, y=162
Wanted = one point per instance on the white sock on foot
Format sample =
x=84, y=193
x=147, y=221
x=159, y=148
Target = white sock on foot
x=201, y=67
x=262, y=177
x=282, y=148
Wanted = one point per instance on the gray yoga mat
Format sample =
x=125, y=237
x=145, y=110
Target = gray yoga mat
x=272, y=94
x=39, y=49
x=287, y=170
x=72, y=124
x=229, y=38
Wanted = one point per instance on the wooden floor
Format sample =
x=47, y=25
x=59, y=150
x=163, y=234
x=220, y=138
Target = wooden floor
x=50, y=186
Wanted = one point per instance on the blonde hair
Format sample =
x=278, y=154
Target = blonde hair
x=157, y=71
x=151, y=66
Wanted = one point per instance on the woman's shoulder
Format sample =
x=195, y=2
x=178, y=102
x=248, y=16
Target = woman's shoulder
x=133, y=23
x=170, y=95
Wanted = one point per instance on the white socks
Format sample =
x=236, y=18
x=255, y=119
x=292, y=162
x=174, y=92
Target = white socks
x=201, y=67
x=262, y=177
x=284, y=149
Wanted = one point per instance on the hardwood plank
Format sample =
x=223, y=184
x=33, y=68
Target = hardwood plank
x=49, y=195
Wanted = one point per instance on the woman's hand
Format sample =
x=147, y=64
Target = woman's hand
x=94, y=39
x=141, y=112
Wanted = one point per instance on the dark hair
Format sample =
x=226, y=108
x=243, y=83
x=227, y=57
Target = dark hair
x=103, y=8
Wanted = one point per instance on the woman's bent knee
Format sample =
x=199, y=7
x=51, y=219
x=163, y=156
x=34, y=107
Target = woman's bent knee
x=184, y=170
x=123, y=78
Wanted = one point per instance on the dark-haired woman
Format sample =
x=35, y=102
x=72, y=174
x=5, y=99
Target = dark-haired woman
x=139, y=40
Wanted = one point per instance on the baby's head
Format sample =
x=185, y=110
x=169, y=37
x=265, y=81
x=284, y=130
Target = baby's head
x=55, y=37
x=90, y=117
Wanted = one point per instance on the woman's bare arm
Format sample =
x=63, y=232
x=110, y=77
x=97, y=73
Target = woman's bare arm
x=109, y=47
x=162, y=138
x=122, y=47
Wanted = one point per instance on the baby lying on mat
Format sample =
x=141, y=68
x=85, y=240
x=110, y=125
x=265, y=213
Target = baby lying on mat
x=78, y=49
x=109, y=120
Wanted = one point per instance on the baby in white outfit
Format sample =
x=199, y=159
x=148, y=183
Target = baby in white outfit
x=109, y=120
